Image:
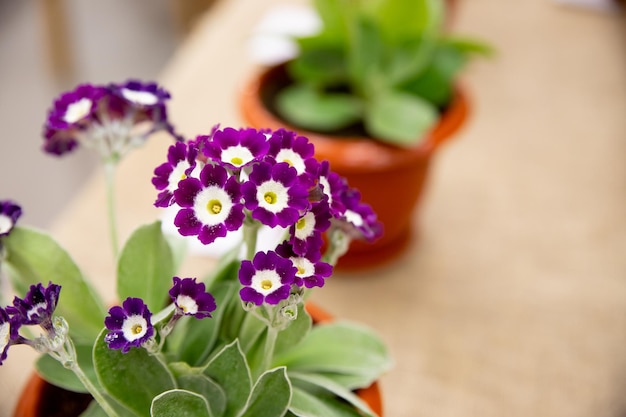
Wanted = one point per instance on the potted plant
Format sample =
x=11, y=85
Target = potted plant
x=376, y=91
x=236, y=341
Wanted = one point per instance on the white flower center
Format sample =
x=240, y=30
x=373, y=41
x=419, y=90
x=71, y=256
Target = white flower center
x=292, y=158
x=305, y=267
x=272, y=196
x=354, y=218
x=266, y=281
x=305, y=226
x=143, y=98
x=177, y=175
x=212, y=205
x=187, y=304
x=77, y=110
x=35, y=310
x=237, y=155
x=5, y=335
x=5, y=223
x=134, y=327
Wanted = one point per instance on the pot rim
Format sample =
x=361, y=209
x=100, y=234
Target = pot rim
x=354, y=154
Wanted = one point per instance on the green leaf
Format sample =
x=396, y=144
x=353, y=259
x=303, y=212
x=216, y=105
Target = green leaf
x=208, y=389
x=270, y=396
x=408, y=19
x=435, y=83
x=179, y=403
x=334, y=15
x=33, y=257
x=146, y=267
x=230, y=370
x=339, y=347
x=319, y=63
x=365, y=55
x=311, y=109
x=333, y=388
x=134, y=378
x=305, y=404
x=192, y=339
x=294, y=333
x=52, y=371
x=399, y=118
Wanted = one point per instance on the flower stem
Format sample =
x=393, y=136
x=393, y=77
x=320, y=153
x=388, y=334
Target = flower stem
x=268, y=351
x=250, y=236
x=109, y=173
x=95, y=392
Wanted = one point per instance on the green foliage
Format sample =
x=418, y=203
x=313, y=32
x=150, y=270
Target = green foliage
x=145, y=267
x=387, y=64
x=32, y=257
x=213, y=367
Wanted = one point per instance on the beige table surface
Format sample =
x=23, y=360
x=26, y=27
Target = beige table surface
x=513, y=300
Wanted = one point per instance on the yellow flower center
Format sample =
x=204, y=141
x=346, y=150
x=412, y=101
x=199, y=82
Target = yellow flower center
x=236, y=161
x=270, y=197
x=301, y=270
x=214, y=207
x=182, y=177
x=266, y=284
x=300, y=224
x=288, y=161
x=136, y=329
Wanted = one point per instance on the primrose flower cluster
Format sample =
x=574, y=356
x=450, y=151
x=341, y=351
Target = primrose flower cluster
x=112, y=119
x=235, y=182
x=244, y=178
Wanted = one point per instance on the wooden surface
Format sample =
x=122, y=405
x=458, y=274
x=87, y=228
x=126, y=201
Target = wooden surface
x=512, y=298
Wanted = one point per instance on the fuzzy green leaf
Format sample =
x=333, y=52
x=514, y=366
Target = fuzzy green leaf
x=32, y=257
x=306, y=404
x=180, y=403
x=311, y=109
x=294, y=333
x=399, y=118
x=407, y=19
x=230, y=370
x=146, y=267
x=207, y=388
x=52, y=371
x=270, y=396
x=339, y=347
x=333, y=388
x=134, y=378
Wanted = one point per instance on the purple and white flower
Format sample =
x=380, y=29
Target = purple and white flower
x=37, y=306
x=236, y=148
x=71, y=114
x=181, y=162
x=310, y=272
x=274, y=194
x=297, y=151
x=306, y=233
x=333, y=186
x=211, y=205
x=266, y=279
x=191, y=298
x=9, y=213
x=8, y=333
x=129, y=325
x=359, y=220
x=111, y=119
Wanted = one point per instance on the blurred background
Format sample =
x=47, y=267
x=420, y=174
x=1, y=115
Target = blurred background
x=516, y=288
x=105, y=41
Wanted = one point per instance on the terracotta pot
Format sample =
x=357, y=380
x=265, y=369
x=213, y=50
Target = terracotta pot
x=41, y=399
x=391, y=179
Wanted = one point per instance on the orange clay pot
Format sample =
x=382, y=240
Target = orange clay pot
x=390, y=179
x=41, y=399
